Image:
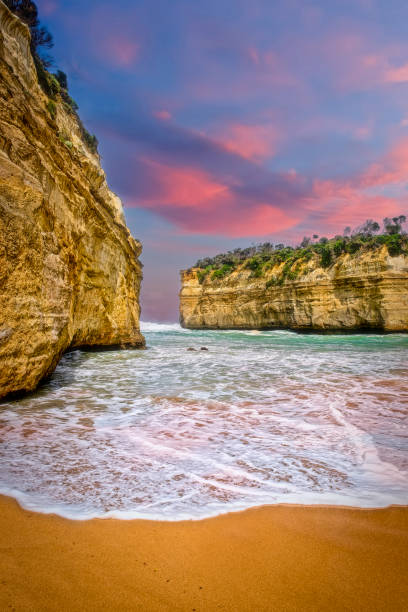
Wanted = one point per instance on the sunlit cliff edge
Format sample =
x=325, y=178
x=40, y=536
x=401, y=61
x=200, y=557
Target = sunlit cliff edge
x=69, y=269
x=363, y=291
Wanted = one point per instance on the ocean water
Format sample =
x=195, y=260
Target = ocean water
x=166, y=433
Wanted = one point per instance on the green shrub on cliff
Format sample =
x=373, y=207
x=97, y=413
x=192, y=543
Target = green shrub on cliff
x=55, y=86
x=69, y=103
x=64, y=138
x=263, y=257
x=201, y=275
x=255, y=264
x=326, y=256
x=221, y=272
x=52, y=109
x=90, y=140
x=62, y=79
x=42, y=76
x=339, y=246
x=395, y=244
x=271, y=282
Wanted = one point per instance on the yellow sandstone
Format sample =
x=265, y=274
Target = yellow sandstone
x=69, y=269
x=365, y=291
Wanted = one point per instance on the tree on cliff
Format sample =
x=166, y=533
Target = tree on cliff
x=40, y=36
x=394, y=225
x=54, y=85
x=261, y=257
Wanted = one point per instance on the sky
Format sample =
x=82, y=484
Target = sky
x=231, y=122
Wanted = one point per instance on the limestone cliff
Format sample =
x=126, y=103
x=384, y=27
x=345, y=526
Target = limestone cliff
x=368, y=290
x=69, y=269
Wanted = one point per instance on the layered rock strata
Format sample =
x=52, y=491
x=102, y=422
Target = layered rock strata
x=69, y=269
x=366, y=291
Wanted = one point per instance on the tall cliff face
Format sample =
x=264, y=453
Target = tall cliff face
x=364, y=291
x=69, y=269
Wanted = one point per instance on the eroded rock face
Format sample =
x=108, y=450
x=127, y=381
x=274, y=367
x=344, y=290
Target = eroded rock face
x=69, y=269
x=365, y=291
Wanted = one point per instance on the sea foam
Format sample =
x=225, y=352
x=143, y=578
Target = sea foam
x=170, y=434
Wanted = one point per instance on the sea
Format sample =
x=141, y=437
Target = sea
x=169, y=433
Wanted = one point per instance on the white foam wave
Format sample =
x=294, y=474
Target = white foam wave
x=33, y=503
x=167, y=434
x=149, y=326
x=258, y=332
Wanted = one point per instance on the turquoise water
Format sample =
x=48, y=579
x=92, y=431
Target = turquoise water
x=167, y=433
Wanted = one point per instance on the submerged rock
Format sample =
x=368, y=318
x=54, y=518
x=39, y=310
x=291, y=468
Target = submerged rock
x=69, y=268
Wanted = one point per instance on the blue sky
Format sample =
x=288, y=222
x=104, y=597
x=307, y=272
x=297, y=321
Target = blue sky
x=223, y=123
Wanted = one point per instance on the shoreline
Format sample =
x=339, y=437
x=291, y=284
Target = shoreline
x=309, y=331
x=283, y=557
x=130, y=515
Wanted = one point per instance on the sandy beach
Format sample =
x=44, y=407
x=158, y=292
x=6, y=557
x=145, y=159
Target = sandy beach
x=268, y=558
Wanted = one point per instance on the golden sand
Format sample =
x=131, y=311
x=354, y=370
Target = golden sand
x=270, y=558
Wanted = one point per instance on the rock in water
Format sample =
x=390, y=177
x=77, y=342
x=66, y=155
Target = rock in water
x=69, y=269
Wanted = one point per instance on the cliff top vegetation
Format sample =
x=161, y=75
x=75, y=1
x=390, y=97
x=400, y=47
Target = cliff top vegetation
x=259, y=258
x=54, y=85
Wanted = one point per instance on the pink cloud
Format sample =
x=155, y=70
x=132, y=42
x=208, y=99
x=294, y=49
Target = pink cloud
x=253, y=55
x=359, y=63
x=245, y=199
x=270, y=63
x=183, y=187
x=119, y=51
x=390, y=169
x=251, y=141
x=259, y=71
x=333, y=204
x=259, y=220
x=273, y=70
x=114, y=35
x=163, y=114
x=341, y=202
x=354, y=64
x=361, y=207
x=348, y=58
x=196, y=202
x=235, y=221
x=332, y=125
x=363, y=132
x=396, y=75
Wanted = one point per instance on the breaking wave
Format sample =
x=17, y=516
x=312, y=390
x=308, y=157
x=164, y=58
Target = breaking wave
x=167, y=433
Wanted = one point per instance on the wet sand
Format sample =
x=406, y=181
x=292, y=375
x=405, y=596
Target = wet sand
x=269, y=558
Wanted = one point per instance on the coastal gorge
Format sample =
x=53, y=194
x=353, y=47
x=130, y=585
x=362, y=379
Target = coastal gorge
x=69, y=268
x=340, y=285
